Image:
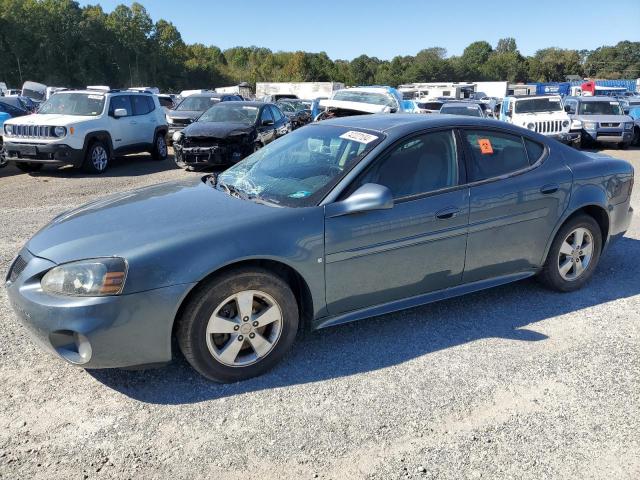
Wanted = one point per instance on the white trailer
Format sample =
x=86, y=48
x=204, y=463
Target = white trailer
x=492, y=89
x=304, y=90
x=428, y=90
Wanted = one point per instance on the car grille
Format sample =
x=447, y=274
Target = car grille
x=549, y=126
x=32, y=131
x=182, y=121
x=17, y=268
x=612, y=125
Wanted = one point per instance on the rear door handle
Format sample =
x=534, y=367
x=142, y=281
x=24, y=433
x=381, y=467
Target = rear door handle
x=446, y=213
x=548, y=189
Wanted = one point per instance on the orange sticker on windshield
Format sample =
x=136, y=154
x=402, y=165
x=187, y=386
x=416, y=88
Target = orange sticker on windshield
x=485, y=146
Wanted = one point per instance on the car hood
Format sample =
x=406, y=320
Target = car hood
x=50, y=119
x=605, y=118
x=184, y=114
x=217, y=129
x=142, y=221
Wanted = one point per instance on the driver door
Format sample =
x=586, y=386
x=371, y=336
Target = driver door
x=416, y=247
x=123, y=129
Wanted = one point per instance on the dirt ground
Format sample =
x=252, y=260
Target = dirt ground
x=514, y=382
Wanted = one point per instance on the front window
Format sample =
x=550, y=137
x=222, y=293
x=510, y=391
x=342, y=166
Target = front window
x=197, y=104
x=227, y=112
x=83, y=104
x=366, y=97
x=600, y=108
x=301, y=167
x=467, y=110
x=538, y=105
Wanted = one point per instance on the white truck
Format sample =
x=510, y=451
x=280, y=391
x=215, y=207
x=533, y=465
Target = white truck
x=303, y=90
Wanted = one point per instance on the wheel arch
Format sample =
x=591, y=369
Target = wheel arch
x=294, y=279
x=101, y=135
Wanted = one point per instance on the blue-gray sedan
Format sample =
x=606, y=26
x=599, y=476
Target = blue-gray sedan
x=337, y=221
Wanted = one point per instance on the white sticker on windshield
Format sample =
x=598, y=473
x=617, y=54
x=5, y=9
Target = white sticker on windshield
x=95, y=97
x=359, y=137
x=613, y=103
x=554, y=100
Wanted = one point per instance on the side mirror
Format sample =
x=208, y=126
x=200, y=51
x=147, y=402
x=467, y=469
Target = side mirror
x=368, y=197
x=267, y=123
x=119, y=112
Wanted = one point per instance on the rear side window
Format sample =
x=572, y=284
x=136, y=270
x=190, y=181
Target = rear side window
x=266, y=114
x=277, y=114
x=150, y=103
x=120, y=101
x=140, y=105
x=534, y=150
x=494, y=154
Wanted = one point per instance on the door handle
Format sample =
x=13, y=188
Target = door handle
x=446, y=213
x=548, y=189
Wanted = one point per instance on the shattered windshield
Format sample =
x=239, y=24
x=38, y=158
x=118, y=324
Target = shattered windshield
x=600, y=108
x=366, y=97
x=230, y=112
x=84, y=104
x=197, y=104
x=536, y=105
x=300, y=168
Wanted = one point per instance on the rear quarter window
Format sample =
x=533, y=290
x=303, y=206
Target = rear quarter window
x=534, y=150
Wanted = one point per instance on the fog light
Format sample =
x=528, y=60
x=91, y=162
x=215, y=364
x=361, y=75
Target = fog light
x=74, y=347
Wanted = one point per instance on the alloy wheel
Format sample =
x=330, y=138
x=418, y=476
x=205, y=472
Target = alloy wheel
x=99, y=158
x=575, y=254
x=161, y=146
x=244, y=328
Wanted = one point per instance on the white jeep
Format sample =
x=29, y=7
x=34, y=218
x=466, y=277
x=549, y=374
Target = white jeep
x=87, y=128
x=544, y=114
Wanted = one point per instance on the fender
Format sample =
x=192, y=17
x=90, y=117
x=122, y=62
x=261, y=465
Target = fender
x=102, y=135
x=582, y=196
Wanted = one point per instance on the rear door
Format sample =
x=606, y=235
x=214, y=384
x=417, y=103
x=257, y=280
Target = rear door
x=416, y=247
x=519, y=192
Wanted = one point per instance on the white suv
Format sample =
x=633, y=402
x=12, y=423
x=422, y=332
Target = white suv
x=543, y=114
x=87, y=128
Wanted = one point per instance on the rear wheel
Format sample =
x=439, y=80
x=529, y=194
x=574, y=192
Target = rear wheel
x=29, y=166
x=97, y=158
x=574, y=255
x=238, y=325
x=160, y=150
x=636, y=136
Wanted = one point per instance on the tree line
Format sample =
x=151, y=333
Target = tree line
x=59, y=43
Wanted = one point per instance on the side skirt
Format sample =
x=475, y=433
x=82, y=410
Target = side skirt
x=418, y=300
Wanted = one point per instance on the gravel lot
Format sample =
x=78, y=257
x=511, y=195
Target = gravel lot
x=515, y=382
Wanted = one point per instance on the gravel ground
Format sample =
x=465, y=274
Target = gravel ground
x=515, y=382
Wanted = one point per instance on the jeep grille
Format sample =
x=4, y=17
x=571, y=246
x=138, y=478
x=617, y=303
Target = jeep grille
x=549, y=126
x=33, y=131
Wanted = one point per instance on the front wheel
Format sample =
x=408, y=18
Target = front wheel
x=574, y=255
x=97, y=158
x=238, y=325
x=160, y=150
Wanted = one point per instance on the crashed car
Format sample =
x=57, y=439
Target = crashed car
x=228, y=132
x=295, y=111
x=189, y=109
x=363, y=100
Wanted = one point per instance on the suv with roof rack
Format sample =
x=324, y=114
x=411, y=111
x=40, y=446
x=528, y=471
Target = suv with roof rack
x=87, y=128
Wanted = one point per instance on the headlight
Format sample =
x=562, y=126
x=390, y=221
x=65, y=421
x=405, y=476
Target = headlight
x=169, y=120
x=59, y=131
x=589, y=125
x=87, y=278
x=565, y=124
x=177, y=136
x=628, y=126
x=8, y=129
x=531, y=126
x=576, y=124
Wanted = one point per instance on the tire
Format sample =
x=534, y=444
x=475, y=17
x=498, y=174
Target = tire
x=160, y=149
x=29, y=166
x=551, y=274
x=97, y=158
x=636, y=136
x=623, y=146
x=209, y=354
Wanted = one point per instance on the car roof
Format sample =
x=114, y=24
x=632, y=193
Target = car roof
x=403, y=123
x=247, y=104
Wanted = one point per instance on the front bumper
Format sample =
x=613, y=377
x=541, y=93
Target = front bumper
x=609, y=136
x=209, y=155
x=96, y=332
x=173, y=129
x=52, y=154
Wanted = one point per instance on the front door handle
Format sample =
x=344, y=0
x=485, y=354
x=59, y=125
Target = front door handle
x=447, y=213
x=548, y=189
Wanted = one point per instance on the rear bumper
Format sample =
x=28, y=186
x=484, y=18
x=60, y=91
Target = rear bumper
x=96, y=332
x=53, y=154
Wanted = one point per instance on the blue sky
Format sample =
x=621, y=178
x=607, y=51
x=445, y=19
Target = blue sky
x=345, y=29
